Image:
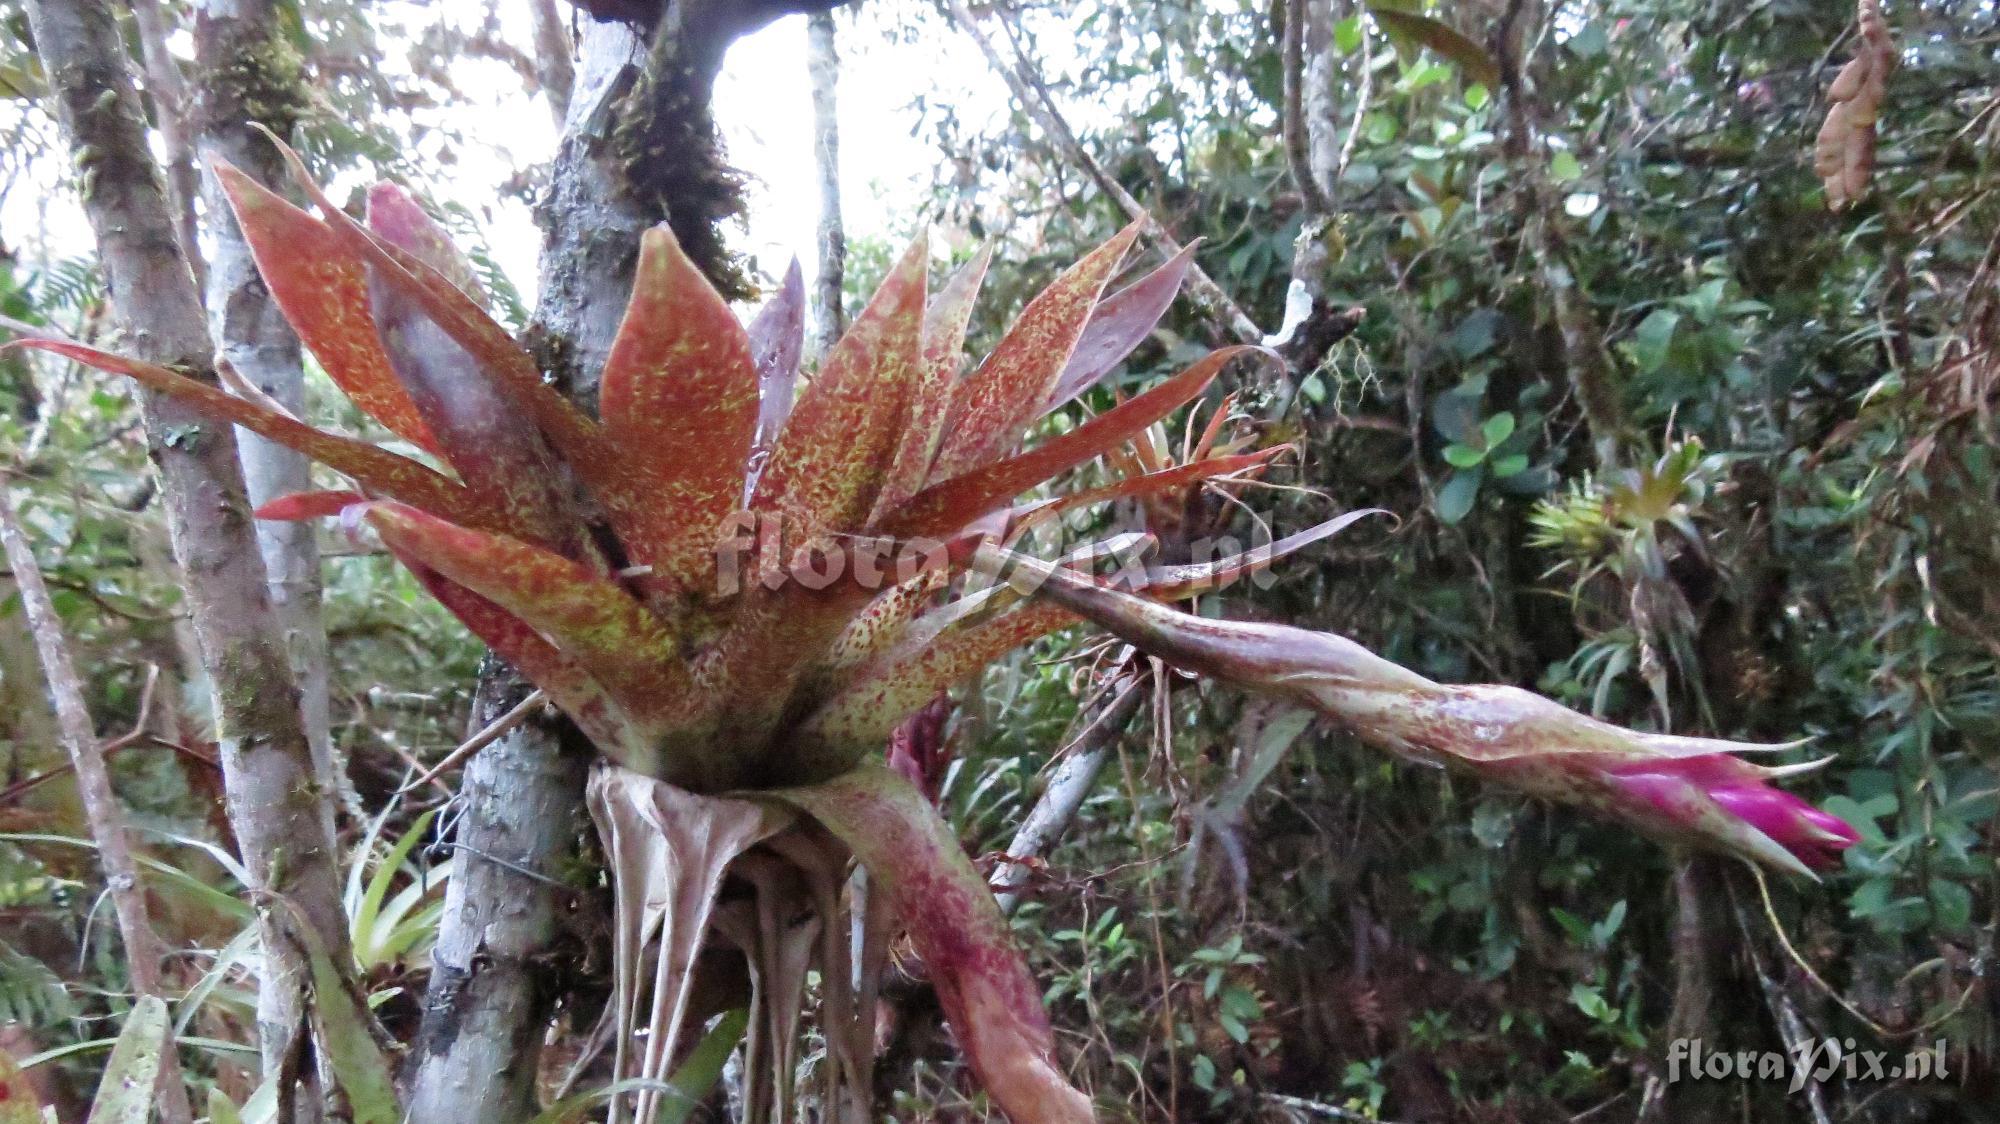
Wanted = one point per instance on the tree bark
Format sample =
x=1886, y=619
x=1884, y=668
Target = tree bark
x=1068, y=787
x=143, y=950
x=274, y=801
x=248, y=72
x=170, y=107
x=823, y=64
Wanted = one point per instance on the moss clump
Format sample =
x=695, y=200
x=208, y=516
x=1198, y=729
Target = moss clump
x=257, y=76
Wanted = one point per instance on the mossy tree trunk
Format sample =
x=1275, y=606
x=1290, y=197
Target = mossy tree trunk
x=274, y=799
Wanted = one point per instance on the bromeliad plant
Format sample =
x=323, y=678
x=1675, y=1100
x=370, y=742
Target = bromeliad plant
x=697, y=576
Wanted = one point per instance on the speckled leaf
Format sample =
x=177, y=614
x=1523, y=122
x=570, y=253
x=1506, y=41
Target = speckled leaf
x=396, y=216
x=679, y=401
x=375, y=469
x=497, y=451
x=1009, y=389
x=125, y=1094
x=835, y=451
x=992, y=1003
x=571, y=687
x=883, y=622
x=944, y=508
x=890, y=687
x=590, y=619
x=513, y=370
x=944, y=345
x=320, y=287
x=1679, y=790
x=1121, y=322
x=309, y=505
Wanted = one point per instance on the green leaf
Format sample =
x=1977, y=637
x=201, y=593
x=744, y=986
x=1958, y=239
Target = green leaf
x=1455, y=499
x=359, y=1066
x=125, y=1095
x=1242, y=1003
x=1498, y=428
x=1513, y=464
x=1953, y=902
x=1653, y=337
x=1565, y=167
x=1476, y=96
x=221, y=1110
x=1591, y=1002
x=1463, y=456
x=1442, y=38
x=698, y=1075
x=1347, y=35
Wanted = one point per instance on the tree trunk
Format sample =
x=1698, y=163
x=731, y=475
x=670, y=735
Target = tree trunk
x=823, y=62
x=249, y=72
x=274, y=802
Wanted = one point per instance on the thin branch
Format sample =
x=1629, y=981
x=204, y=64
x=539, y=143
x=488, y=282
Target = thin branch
x=143, y=949
x=1025, y=81
x=823, y=64
x=171, y=103
x=1072, y=782
x=1298, y=142
x=491, y=733
x=554, y=66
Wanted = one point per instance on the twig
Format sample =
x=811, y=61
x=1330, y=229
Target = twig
x=170, y=99
x=1778, y=927
x=1791, y=1028
x=1028, y=88
x=1320, y=1108
x=485, y=737
x=32, y=331
x=1072, y=781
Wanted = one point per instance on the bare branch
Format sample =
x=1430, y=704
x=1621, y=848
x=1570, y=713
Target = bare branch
x=823, y=63
x=1025, y=81
x=553, y=50
x=1082, y=761
x=274, y=802
x=170, y=101
x=1298, y=143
